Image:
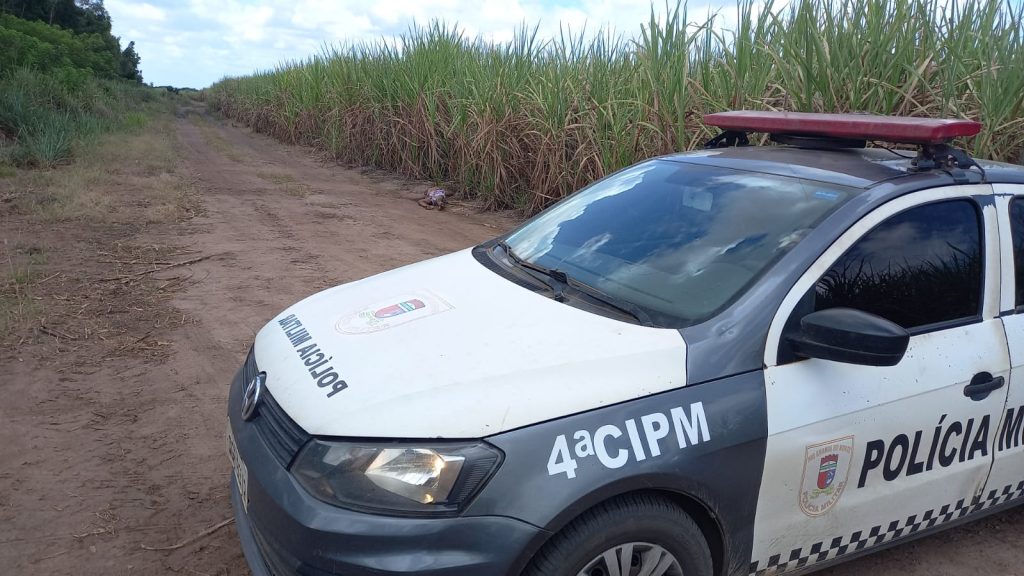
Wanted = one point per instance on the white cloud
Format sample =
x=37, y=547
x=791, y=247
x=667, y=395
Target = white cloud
x=241, y=21
x=328, y=20
x=197, y=42
x=136, y=10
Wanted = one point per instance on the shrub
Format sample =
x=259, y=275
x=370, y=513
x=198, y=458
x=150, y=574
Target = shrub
x=48, y=112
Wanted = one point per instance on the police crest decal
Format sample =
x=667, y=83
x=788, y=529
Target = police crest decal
x=826, y=470
x=395, y=311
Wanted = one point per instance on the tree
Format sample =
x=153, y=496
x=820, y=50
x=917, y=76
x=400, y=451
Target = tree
x=129, y=65
x=90, y=22
x=80, y=16
x=92, y=17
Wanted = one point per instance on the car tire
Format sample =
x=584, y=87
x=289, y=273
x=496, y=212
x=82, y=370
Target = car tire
x=638, y=525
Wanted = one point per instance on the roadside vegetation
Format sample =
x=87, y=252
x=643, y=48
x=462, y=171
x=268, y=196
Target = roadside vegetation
x=62, y=229
x=46, y=116
x=64, y=79
x=524, y=123
x=87, y=155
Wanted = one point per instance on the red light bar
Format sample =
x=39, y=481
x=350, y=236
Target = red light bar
x=900, y=129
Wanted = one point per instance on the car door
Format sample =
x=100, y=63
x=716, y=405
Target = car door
x=1007, y=479
x=858, y=455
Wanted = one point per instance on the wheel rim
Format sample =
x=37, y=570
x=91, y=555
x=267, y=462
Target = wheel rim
x=633, y=559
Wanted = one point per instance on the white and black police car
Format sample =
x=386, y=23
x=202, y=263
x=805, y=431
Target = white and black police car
x=740, y=360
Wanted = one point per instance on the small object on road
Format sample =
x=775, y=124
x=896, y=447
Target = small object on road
x=128, y=277
x=191, y=539
x=434, y=198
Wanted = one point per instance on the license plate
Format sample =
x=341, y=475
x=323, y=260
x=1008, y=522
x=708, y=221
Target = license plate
x=241, y=472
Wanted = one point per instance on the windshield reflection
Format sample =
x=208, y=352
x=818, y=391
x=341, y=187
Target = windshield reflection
x=678, y=239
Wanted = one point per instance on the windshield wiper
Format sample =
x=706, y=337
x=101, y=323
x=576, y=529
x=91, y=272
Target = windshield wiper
x=563, y=279
x=557, y=290
x=611, y=301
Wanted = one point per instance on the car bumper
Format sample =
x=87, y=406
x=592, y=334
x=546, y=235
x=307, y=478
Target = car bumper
x=284, y=531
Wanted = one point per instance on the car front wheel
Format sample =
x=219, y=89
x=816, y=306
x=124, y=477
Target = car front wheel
x=636, y=535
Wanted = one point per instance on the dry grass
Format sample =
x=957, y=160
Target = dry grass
x=20, y=273
x=65, y=229
x=112, y=179
x=104, y=302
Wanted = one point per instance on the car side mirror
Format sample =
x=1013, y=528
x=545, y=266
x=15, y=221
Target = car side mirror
x=850, y=336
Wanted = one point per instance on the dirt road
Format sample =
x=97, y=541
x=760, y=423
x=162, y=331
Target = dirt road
x=98, y=464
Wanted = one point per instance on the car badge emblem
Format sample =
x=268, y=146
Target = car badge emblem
x=826, y=469
x=251, y=396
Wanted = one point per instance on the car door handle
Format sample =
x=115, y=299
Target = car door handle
x=982, y=385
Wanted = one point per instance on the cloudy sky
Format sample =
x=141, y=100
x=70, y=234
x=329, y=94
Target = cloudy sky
x=197, y=42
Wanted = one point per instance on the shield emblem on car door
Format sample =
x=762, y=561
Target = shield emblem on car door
x=825, y=471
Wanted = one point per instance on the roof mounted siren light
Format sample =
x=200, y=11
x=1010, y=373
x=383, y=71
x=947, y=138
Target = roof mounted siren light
x=809, y=130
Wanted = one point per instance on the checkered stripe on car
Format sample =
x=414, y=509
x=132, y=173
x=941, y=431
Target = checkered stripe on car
x=840, y=545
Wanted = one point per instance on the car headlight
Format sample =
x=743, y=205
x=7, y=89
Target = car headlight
x=397, y=478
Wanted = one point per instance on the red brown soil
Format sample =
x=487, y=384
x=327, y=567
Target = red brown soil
x=109, y=445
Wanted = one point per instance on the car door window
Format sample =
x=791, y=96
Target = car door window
x=1017, y=233
x=920, y=267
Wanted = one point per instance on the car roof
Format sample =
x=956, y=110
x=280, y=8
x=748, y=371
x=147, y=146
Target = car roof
x=853, y=167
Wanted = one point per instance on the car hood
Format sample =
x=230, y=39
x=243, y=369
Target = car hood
x=449, y=349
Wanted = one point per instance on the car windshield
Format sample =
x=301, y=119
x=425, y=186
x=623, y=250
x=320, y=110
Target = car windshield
x=680, y=240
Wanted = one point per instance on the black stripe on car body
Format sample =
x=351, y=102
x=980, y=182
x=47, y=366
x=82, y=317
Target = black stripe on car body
x=716, y=479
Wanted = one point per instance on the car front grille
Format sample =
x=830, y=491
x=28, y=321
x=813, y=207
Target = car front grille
x=282, y=436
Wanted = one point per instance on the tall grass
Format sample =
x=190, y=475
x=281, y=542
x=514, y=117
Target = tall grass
x=45, y=114
x=526, y=122
x=59, y=88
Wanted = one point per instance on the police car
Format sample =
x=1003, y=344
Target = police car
x=740, y=360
